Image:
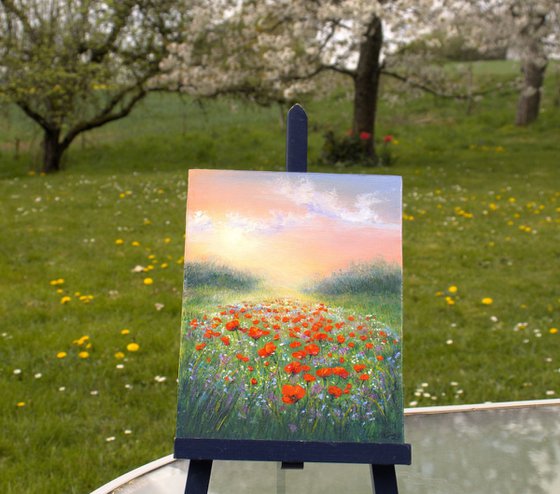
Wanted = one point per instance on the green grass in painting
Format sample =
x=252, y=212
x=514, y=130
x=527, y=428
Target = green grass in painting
x=482, y=215
x=373, y=279
x=203, y=274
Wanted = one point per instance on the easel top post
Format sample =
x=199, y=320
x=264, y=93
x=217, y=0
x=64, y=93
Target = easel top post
x=296, y=140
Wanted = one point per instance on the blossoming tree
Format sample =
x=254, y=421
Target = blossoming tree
x=74, y=65
x=531, y=29
x=271, y=50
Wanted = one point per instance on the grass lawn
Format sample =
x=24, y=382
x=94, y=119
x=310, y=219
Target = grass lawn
x=91, y=267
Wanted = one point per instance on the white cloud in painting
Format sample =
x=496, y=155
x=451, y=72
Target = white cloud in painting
x=328, y=204
x=276, y=222
x=199, y=221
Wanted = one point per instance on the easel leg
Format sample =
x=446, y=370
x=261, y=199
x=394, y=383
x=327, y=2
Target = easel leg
x=384, y=479
x=198, y=477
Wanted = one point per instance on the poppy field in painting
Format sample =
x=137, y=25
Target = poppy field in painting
x=305, y=346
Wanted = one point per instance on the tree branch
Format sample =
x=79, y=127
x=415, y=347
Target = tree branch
x=42, y=121
x=434, y=92
x=102, y=119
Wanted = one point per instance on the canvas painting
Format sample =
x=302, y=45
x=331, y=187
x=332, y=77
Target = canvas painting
x=291, y=325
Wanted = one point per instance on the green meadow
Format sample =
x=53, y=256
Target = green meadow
x=91, y=263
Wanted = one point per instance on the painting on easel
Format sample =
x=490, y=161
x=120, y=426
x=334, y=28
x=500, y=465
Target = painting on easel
x=291, y=325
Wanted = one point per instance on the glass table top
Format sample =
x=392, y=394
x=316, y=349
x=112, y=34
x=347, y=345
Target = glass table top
x=494, y=449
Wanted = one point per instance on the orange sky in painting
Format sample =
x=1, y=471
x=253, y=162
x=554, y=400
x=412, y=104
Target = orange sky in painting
x=290, y=228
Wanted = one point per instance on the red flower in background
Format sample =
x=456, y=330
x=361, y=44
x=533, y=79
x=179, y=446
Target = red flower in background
x=365, y=136
x=388, y=138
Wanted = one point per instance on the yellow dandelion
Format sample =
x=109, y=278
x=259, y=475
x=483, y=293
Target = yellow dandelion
x=65, y=300
x=83, y=354
x=60, y=291
x=119, y=355
x=452, y=289
x=81, y=341
x=61, y=355
x=487, y=301
x=553, y=330
x=147, y=221
x=20, y=404
x=164, y=265
x=167, y=240
x=133, y=347
x=119, y=241
x=135, y=243
x=125, y=331
x=449, y=301
x=148, y=281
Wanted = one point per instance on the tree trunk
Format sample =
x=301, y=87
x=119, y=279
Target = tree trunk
x=366, y=84
x=52, y=151
x=530, y=99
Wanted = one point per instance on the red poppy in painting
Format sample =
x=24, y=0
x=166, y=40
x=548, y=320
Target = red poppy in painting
x=292, y=394
x=341, y=372
x=309, y=378
x=225, y=340
x=364, y=377
x=293, y=368
x=359, y=367
x=380, y=358
x=200, y=346
x=256, y=333
x=324, y=372
x=232, y=325
x=268, y=349
x=299, y=355
x=312, y=349
x=335, y=391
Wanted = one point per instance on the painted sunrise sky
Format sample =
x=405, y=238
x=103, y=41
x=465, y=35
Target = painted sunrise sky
x=289, y=228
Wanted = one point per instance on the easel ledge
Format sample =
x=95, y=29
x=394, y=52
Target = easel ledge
x=293, y=451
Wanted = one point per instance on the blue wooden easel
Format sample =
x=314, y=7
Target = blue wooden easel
x=202, y=452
